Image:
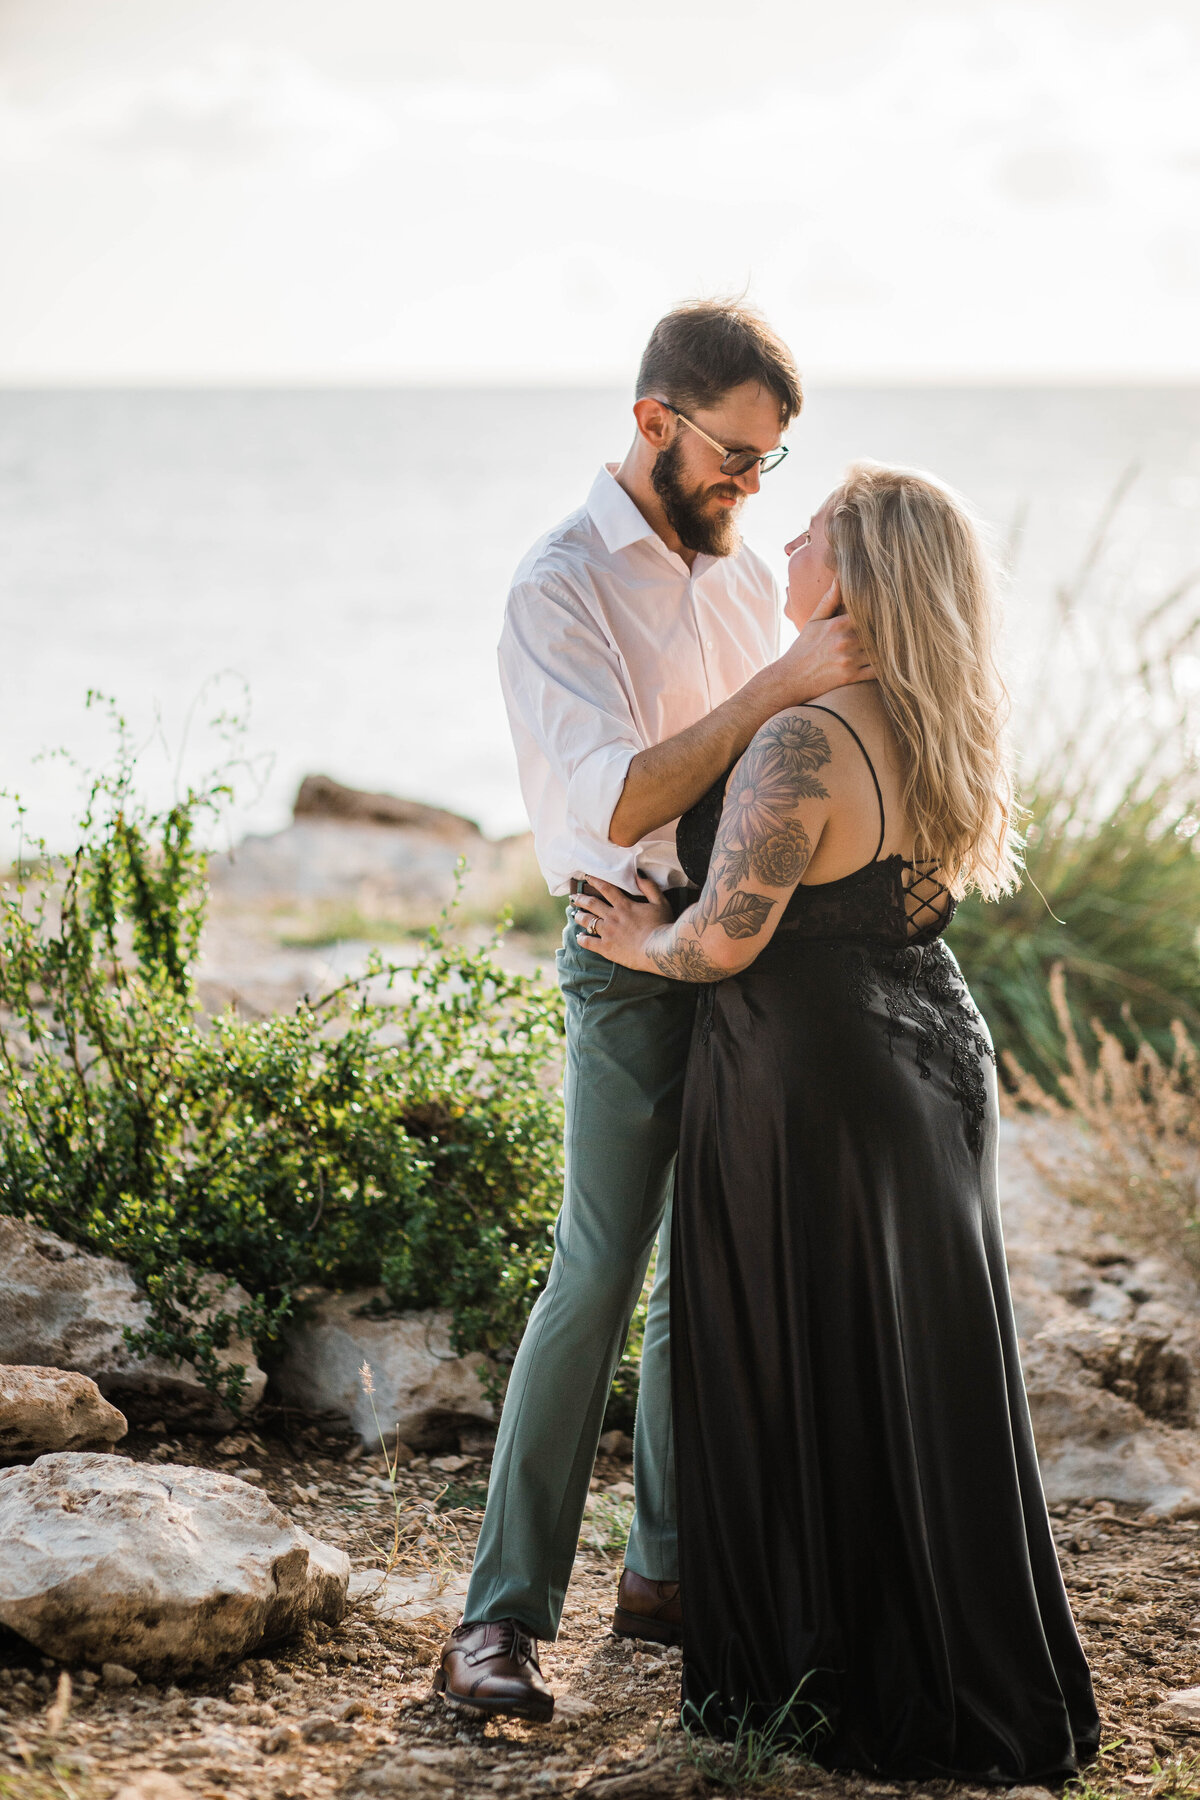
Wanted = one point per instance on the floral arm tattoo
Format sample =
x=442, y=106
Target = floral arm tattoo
x=761, y=843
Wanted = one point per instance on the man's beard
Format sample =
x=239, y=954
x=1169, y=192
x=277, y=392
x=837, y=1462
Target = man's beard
x=710, y=535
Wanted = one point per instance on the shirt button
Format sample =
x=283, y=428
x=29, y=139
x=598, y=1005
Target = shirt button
x=708, y=643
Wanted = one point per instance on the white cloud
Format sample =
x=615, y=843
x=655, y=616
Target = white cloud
x=234, y=110
x=1008, y=188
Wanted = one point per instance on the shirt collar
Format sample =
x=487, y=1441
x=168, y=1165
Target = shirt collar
x=616, y=518
x=621, y=523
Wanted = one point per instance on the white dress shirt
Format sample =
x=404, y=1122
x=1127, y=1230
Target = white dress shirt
x=611, y=644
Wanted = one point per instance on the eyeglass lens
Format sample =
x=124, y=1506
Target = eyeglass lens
x=742, y=461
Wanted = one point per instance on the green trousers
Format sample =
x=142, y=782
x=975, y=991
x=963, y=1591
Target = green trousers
x=627, y=1040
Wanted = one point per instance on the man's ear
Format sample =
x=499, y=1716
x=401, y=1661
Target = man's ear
x=655, y=424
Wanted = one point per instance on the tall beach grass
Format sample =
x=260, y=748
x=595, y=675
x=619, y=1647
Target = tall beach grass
x=1110, y=778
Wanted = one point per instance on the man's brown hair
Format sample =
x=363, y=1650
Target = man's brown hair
x=702, y=349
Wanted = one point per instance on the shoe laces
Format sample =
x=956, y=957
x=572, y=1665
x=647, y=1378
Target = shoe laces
x=510, y=1639
x=516, y=1642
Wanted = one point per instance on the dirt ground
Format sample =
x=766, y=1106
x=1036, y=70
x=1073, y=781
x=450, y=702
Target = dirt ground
x=349, y=1712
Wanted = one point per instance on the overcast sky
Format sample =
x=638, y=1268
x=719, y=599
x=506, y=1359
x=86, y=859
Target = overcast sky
x=285, y=190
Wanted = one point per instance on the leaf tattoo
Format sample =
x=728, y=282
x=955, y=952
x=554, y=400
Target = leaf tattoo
x=706, y=909
x=744, y=915
x=733, y=870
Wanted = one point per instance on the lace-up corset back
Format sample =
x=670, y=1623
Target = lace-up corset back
x=890, y=900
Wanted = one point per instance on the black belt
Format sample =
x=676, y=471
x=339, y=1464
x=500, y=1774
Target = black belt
x=677, y=898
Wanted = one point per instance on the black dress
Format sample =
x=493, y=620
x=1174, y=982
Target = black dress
x=861, y=1515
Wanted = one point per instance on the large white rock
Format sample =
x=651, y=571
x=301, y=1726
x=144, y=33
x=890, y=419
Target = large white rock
x=161, y=1568
x=420, y=1386
x=53, y=1409
x=1110, y=1344
x=63, y=1308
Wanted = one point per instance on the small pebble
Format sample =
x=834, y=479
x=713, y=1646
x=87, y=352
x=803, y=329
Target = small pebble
x=319, y=1728
x=280, y=1738
x=115, y=1675
x=242, y=1694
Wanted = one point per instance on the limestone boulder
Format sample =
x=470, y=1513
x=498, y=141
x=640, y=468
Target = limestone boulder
x=63, y=1308
x=422, y=1391
x=1110, y=1344
x=162, y=1569
x=53, y=1409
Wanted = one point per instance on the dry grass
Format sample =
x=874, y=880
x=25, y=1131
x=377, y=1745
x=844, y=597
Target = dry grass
x=51, y=1780
x=1138, y=1159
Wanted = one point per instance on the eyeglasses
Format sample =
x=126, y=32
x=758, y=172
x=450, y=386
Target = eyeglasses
x=734, y=462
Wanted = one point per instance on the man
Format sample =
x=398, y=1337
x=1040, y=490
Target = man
x=636, y=661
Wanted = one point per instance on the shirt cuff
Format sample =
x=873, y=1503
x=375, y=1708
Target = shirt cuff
x=595, y=788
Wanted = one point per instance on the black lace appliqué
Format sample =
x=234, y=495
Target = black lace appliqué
x=941, y=1018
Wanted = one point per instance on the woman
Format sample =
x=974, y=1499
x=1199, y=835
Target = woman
x=863, y=1537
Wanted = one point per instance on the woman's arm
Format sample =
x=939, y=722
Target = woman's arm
x=776, y=806
x=666, y=779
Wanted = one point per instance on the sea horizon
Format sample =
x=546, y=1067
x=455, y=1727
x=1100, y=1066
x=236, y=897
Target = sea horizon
x=343, y=551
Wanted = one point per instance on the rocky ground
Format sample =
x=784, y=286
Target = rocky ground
x=348, y=1712
x=1112, y=1355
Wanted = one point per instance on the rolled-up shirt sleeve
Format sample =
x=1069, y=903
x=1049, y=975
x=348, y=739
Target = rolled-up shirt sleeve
x=564, y=687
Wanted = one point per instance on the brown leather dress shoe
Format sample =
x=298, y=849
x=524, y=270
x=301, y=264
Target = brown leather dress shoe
x=493, y=1668
x=648, y=1609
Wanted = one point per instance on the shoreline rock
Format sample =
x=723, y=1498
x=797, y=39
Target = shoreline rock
x=320, y=797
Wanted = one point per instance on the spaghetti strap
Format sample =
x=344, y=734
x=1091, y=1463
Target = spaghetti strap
x=813, y=706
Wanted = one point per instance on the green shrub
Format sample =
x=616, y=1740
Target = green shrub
x=403, y=1130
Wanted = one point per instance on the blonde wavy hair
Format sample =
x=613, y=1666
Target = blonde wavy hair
x=918, y=585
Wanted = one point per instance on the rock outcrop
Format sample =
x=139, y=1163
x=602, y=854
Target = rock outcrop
x=322, y=798
x=1110, y=1345
x=63, y=1308
x=422, y=1390
x=53, y=1409
x=160, y=1569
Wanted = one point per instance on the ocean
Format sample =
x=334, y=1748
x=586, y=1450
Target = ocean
x=339, y=559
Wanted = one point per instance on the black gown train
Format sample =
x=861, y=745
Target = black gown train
x=861, y=1514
